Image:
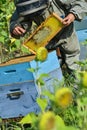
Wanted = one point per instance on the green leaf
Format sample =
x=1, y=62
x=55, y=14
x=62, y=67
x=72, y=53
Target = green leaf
x=31, y=70
x=24, y=49
x=1, y=39
x=49, y=95
x=17, y=128
x=84, y=101
x=3, y=33
x=40, y=81
x=42, y=103
x=59, y=123
x=43, y=75
x=0, y=120
x=26, y=120
x=70, y=128
x=3, y=9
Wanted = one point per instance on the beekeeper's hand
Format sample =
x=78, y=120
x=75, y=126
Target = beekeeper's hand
x=18, y=30
x=68, y=19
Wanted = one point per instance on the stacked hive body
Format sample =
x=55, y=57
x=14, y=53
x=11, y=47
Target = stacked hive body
x=18, y=91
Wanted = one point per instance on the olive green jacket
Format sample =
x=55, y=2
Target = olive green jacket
x=77, y=7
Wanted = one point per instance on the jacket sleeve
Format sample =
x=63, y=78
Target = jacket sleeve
x=14, y=23
x=78, y=8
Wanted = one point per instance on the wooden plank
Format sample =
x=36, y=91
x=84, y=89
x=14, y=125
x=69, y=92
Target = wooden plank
x=19, y=60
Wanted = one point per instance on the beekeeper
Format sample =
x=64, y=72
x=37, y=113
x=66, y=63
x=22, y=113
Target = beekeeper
x=38, y=10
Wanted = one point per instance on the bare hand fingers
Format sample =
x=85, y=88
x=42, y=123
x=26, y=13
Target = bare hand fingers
x=66, y=21
x=18, y=31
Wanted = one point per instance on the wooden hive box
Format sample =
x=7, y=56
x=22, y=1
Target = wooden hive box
x=18, y=91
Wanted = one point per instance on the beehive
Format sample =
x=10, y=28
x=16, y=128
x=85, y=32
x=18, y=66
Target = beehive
x=18, y=90
x=44, y=33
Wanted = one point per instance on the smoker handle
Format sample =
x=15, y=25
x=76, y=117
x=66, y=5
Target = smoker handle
x=15, y=95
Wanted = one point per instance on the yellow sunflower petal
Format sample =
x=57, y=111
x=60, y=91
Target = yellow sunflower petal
x=42, y=54
x=63, y=97
x=84, y=79
x=47, y=121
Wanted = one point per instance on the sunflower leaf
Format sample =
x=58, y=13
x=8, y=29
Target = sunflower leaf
x=42, y=103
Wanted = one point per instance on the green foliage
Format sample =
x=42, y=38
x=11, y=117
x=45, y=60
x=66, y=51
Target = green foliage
x=5, y=14
x=84, y=43
x=6, y=9
x=42, y=103
x=10, y=48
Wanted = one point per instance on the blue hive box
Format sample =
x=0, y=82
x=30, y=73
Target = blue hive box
x=81, y=25
x=81, y=30
x=18, y=91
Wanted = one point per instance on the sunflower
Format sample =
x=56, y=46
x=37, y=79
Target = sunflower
x=41, y=54
x=63, y=97
x=47, y=121
x=84, y=79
